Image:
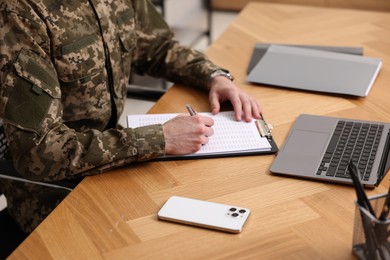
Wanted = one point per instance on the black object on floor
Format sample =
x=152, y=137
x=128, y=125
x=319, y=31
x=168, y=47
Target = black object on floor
x=11, y=236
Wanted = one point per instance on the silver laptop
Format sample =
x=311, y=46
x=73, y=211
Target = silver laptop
x=261, y=48
x=316, y=70
x=320, y=147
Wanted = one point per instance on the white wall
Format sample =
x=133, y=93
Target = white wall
x=180, y=12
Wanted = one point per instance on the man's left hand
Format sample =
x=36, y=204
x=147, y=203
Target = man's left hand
x=222, y=89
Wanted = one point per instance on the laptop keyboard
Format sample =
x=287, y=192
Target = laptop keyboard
x=355, y=140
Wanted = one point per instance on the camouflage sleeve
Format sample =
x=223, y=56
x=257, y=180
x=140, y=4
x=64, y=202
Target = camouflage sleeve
x=42, y=146
x=158, y=54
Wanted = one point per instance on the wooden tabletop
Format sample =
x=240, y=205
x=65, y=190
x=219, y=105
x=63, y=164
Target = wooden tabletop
x=113, y=215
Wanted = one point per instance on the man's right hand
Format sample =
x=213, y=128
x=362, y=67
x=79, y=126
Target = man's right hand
x=186, y=134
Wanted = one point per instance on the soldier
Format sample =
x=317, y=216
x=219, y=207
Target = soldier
x=65, y=66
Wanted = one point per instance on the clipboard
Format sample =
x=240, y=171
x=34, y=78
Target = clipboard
x=231, y=138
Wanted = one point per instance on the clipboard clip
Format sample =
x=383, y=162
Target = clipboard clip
x=265, y=129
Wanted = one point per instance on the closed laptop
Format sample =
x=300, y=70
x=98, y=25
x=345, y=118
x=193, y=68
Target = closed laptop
x=316, y=70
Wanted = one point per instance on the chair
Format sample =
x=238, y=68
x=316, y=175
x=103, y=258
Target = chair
x=161, y=5
x=145, y=93
x=11, y=235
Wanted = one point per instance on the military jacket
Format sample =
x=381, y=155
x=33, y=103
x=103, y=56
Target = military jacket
x=65, y=66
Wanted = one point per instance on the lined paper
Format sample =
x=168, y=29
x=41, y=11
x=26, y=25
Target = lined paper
x=230, y=136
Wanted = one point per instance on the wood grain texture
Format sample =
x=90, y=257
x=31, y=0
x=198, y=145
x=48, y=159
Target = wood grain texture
x=113, y=215
x=373, y=5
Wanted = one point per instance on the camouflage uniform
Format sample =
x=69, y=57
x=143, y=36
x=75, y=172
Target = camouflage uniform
x=65, y=66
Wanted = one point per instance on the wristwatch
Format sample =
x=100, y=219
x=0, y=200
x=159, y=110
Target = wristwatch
x=223, y=73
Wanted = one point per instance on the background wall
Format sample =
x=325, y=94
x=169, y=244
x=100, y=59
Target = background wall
x=178, y=12
x=375, y=5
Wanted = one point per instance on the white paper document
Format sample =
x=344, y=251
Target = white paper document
x=230, y=136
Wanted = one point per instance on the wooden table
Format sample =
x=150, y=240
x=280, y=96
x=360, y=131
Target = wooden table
x=373, y=5
x=113, y=216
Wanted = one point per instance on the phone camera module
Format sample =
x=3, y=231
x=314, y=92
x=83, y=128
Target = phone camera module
x=235, y=215
x=232, y=209
x=242, y=211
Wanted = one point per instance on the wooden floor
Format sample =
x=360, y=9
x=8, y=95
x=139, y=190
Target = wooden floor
x=373, y=5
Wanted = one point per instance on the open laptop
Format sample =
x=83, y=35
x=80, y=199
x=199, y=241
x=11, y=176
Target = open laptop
x=320, y=147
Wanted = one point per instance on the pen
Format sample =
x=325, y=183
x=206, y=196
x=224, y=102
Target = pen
x=361, y=195
x=190, y=110
x=371, y=232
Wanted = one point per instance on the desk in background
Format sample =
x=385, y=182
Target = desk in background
x=373, y=5
x=113, y=215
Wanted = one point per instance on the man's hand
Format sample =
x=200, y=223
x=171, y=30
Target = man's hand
x=186, y=134
x=223, y=89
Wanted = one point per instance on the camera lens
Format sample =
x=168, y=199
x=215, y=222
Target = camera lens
x=242, y=211
x=232, y=209
x=235, y=215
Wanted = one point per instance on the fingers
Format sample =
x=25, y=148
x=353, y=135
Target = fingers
x=203, y=126
x=251, y=109
x=243, y=104
x=207, y=121
x=237, y=106
x=256, y=109
x=202, y=129
x=186, y=134
x=214, y=102
x=208, y=131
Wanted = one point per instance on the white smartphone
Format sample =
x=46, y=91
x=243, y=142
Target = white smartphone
x=204, y=214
